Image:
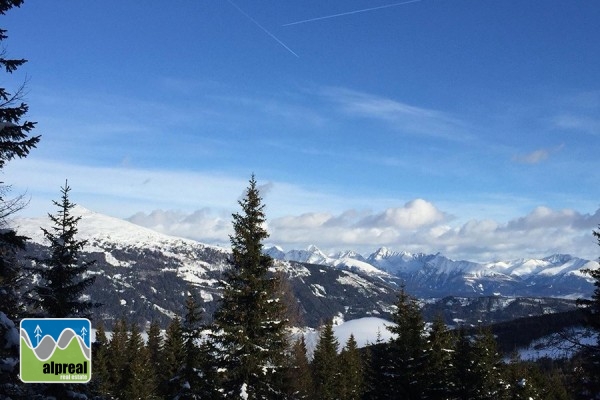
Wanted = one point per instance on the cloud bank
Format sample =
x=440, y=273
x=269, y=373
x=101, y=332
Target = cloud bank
x=417, y=226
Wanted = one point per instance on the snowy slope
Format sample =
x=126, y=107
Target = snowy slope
x=434, y=275
x=147, y=273
x=313, y=255
x=98, y=228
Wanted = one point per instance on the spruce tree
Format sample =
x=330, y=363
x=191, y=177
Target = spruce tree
x=478, y=367
x=463, y=371
x=326, y=365
x=173, y=354
x=118, y=362
x=521, y=381
x=250, y=325
x=406, y=366
x=351, y=371
x=488, y=365
x=138, y=380
x=299, y=372
x=376, y=359
x=439, y=355
x=15, y=142
x=101, y=379
x=62, y=272
x=14, y=133
x=62, y=280
x=155, y=346
x=191, y=380
x=590, y=354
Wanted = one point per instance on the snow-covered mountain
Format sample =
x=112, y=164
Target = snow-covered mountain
x=145, y=275
x=313, y=255
x=434, y=275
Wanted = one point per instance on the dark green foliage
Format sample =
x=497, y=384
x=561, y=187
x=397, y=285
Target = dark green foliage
x=592, y=306
x=172, y=357
x=590, y=354
x=14, y=142
x=10, y=385
x=138, y=380
x=375, y=358
x=14, y=133
x=155, y=346
x=520, y=381
x=299, y=372
x=118, y=361
x=100, y=359
x=11, y=277
x=478, y=367
x=406, y=365
x=250, y=324
x=351, y=371
x=440, y=353
x=326, y=365
x=194, y=379
x=6, y=5
x=62, y=271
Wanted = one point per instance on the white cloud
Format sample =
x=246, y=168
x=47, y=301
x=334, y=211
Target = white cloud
x=534, y=157
x=581, y=123
x=202, y=225
x=540, y=233
x=199, y=206
x=415, y=214
x=402, y=116
x=537, y=156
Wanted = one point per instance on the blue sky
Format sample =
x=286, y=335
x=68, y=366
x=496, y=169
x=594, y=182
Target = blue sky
x=469, y=127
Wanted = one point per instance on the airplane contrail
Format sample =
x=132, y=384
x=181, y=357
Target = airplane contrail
x=262, y=28
x=352, y=12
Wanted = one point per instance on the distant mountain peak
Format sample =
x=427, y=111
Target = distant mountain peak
x=94, y=227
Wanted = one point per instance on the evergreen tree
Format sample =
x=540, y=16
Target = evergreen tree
x=118, y=362
x=62, y=281
x=101, y=379
x=10, y=312
x=351, y=371
x=478, y=368
x=326, y=365
x=406, y=367
x=62, y=271
x=250, y=324
x=376, y=359
x=463, y=371
x=14, y=142
x=172, y=359
x=10, y=385
x=155, y=347
x=521, y=381
x=11, y=245
x=439, y=367
x=300, y=377
x=138, y=380
x=590, y=379
x=191, y=378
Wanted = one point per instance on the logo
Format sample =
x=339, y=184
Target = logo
x=56, y=350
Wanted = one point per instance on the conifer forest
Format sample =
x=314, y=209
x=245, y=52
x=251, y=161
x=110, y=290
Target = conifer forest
x=249, y=348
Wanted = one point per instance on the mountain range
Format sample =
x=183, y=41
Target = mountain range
x=143, y=275
x=434, y=275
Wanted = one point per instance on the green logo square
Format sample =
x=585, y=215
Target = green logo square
x=56, y=350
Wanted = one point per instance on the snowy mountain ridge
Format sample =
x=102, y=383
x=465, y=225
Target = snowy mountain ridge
x=387, y=261
x=98, y=228
x=425, y=275
x=146, y=275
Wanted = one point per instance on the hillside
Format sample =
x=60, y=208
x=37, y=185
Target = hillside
x=145, y=275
